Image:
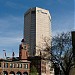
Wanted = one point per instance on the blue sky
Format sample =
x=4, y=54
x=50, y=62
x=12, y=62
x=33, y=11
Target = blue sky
x=12, y=20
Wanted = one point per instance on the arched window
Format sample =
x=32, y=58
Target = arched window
x=18, y=73
x=5, y=73
x=25, y=73
x=12, y=73
x=26, y=66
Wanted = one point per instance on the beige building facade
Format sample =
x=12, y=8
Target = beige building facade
x=37, y=26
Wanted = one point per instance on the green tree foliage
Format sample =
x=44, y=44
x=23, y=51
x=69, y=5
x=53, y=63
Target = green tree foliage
x=33, y=70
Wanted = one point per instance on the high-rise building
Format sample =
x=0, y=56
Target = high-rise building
x=37, y=26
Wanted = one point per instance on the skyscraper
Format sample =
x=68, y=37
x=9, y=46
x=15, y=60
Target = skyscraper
x=37, y=26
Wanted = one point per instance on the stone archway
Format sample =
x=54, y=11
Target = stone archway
x=5, y=73
x=25, y=73
x=18, y=73
x=12, y=73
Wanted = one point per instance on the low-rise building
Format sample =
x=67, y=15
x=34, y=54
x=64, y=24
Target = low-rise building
x=16, y=65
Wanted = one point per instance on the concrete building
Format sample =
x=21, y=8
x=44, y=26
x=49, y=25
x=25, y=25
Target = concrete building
x=37, y=27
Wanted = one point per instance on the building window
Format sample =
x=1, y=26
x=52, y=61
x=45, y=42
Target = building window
x=17, y=65
x=51, y=69
x=0, y=64
x=33, y=12
x=20, y=65
x=26, y=66
x=6, y=65
x=24, y=47
x=11, y=65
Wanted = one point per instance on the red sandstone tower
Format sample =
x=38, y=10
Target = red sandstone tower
x=23, y=51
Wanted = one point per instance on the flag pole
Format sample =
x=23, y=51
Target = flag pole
x=3, y=62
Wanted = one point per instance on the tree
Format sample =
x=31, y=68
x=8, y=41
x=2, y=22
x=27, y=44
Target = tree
x=60, y=52
x=33, y=70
